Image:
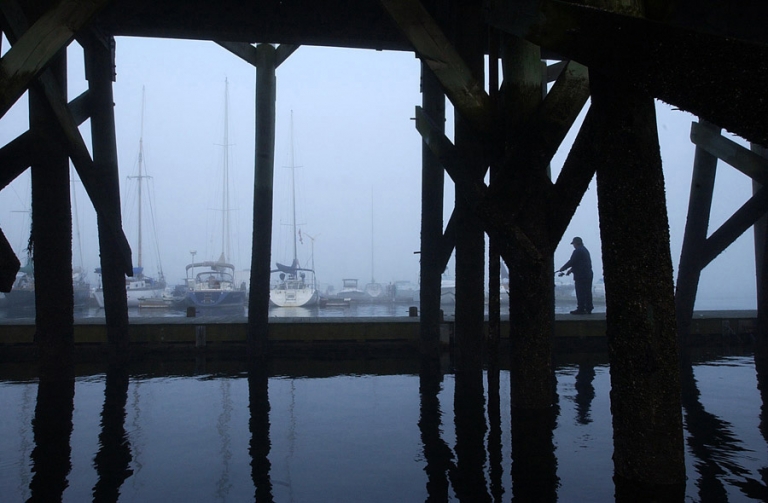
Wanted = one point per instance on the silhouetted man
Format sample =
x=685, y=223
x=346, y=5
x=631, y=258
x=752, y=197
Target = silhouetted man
x=580, y=265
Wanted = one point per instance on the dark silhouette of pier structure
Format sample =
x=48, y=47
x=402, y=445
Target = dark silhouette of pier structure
x=705, y=57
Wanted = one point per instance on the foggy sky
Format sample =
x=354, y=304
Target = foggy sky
x=359, y=154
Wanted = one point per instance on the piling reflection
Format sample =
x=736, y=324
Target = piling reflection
x=258, y=426
x=437, y=454
x=495, y=447
x=52, y=429
x=469, y=419
x=113, y=459
x=534, y=465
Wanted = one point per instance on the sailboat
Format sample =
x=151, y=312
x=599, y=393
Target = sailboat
x=139, y=286
x=211, y=287
x=295, y=285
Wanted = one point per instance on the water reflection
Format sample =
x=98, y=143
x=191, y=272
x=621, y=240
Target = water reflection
x=51, y=429
x=112, y=461
x=362, y=430
x=258, y=402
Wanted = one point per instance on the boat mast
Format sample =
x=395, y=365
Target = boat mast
x=225, y=244
x=140, y=178
x=373, y=278
x=293, y=195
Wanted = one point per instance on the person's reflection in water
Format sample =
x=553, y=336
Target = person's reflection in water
x=469, y=418
x=258, y=401
x=585, y=392
x=52, y=429
x=534, y=465
x=112, y=461
x=437, y=454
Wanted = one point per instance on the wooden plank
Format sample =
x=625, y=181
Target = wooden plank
x=743, y=159
x=34, y=49
x=433, y=48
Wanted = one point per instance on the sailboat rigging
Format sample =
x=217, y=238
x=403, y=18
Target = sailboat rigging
x=210, y=285
x=295, y=286
x=139, y=286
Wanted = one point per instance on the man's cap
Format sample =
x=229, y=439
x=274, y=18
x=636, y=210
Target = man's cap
x=577, y=241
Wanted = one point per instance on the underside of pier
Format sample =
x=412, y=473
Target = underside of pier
x=546, y=61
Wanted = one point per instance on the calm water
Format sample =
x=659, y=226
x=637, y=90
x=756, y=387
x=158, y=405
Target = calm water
x=351, y=430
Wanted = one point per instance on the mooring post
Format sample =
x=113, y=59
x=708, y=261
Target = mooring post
x=258, y=301
x=695, y=235
x=432, y=187
x=641, y=330
x=99, y=52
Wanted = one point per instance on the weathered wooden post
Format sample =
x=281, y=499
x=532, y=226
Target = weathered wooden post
x=258, y=301
x=432, y=186
x=99, y=54
x=469, y=38
x=696, y=227
x=51, y=238
x=642, y=340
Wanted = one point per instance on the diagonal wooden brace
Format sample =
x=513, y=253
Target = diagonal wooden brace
x=9, y=264
x=75, y=145
x=497, y=223
x=751, y=164
x=433, y=48
x=32, y=51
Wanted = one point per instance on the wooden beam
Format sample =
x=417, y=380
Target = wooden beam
x=692, y=71
x=431, y=45
x=9, y=264
x=538, y=138
x=32, y=51
x=17, y=155
x=248, y=52
x=244, y=51
x=575, y=177
x=75, y=145
x=743, y=159
x=496, y=220
x=448, y=243
x=740, y=221
x=283, y=52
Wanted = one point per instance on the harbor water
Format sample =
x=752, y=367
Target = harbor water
x=375, y=430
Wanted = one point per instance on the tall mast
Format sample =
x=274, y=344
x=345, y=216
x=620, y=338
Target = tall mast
x=373, y=277
x=293, y=194
x=225, y=244
x=140, y=177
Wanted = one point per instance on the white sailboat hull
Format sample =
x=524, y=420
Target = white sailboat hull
x=133, y=296
x=293, y=297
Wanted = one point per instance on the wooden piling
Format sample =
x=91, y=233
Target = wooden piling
x=99, y=54
x=640, y=316
x=263, y=180
x=468, y=40
x=51, y=236
x=432, y=187
x=694, y=236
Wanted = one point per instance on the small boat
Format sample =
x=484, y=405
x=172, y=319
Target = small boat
x=20, y=300
x=294, y=286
